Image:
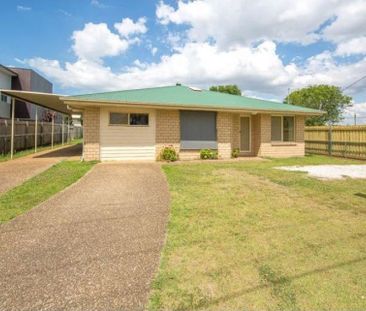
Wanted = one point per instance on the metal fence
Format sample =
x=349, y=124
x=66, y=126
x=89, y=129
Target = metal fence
x=342, y=141
x=24, y=134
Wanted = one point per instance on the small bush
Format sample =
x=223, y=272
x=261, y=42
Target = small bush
x=206, y=154
x=235, y=153
x=169, y=154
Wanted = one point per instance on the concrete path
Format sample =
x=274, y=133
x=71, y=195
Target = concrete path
x=14, y=172
x=95, y=246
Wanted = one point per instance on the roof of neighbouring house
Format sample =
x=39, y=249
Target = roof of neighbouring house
x=7, y=71
x=189, y=97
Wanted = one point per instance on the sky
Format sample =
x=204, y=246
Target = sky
x=266, y=47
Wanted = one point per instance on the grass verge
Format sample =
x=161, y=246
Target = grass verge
x=23, y=153
x=246, y=236
x=39, y=188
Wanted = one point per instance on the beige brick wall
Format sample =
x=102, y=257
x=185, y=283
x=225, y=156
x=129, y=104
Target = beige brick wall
x=91, y=124
x=300, y=128
x=285, y=149
x=256, y=133
x=167, y=130
x=224, y=124
x=235, y=138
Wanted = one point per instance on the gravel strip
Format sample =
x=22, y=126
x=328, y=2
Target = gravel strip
x=330, y=171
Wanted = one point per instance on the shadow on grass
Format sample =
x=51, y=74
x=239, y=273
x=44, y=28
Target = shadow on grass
x=361, y=195
x=279, y=281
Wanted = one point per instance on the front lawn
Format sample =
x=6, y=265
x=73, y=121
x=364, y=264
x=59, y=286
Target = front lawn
x=41, y=187
x=246, y=236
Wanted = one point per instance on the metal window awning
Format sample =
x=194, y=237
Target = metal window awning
x=46, y=100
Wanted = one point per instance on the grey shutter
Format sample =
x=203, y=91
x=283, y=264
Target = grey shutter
x=198, y=129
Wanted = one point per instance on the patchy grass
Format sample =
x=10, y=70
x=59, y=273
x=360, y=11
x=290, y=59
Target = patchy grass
x=39, y=188
x=246, y=236
x=23, y=153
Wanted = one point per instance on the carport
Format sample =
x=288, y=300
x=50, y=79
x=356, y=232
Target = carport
x=49, y=101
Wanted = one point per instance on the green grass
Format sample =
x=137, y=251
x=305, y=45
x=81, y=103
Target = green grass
x=39, y=188
x=245, y=236
x=23, y=153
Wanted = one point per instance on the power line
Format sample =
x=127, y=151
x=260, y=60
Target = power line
x=353, y=83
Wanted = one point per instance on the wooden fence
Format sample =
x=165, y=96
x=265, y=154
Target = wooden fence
x=342, y=141
x=24, y=134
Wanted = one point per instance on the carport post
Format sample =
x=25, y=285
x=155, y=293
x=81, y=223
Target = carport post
x=62, y=131
x=68, y=129
x=36, y=131
x=12, y=127
x=53, y=129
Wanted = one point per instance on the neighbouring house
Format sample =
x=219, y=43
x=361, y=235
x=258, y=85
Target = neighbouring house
x=6, y=76
x=23, y=79
x=137, y=124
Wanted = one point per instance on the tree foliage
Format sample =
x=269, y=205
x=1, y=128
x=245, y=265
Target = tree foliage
x=229, y=89
x=328, y=98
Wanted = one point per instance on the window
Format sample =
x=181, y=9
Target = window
x=282, y=128
x=276, y=129
x=139, y=119
x=118, y=118
x=133, y=119
x=4, y=98
x=288, y=128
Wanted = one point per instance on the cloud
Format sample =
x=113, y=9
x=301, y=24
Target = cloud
x=215, y=48
x=96, y=41
x=258, y=69
x=350, y=21
x=359, y=109
x=23, y=8
x=128, y=27
x=351, y=47
x=247, y=23
x=154, y=50
x=280, y=21
x=68, y=14
x=98, y=4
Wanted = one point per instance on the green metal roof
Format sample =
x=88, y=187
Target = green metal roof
x=190, y=98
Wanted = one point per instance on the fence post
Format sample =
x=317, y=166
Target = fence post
x=52, y=129
x=62, y=131
x=330, y=142
x=68, y=130
x=12, y=128
x=36, y=131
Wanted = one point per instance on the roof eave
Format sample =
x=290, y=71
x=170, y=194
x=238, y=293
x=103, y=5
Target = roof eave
x=74, y=102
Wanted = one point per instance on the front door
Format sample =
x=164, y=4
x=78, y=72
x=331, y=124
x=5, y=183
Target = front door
x=244, y=133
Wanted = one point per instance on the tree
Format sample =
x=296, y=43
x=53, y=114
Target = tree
x=230, y=89
x=328, y=98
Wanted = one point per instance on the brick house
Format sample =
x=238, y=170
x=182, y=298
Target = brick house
x=137, y=124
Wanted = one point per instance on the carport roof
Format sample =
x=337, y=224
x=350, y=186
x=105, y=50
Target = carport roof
x=189, y=97
x=47, y=100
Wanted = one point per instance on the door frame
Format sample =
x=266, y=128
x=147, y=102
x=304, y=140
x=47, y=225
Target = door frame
x=250, y=133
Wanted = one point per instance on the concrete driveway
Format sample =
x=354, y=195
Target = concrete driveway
x=14, y=172
x=95, y=246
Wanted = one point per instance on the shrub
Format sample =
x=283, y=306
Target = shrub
x=235, y=153
x=169, y=154
x=207, y=154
